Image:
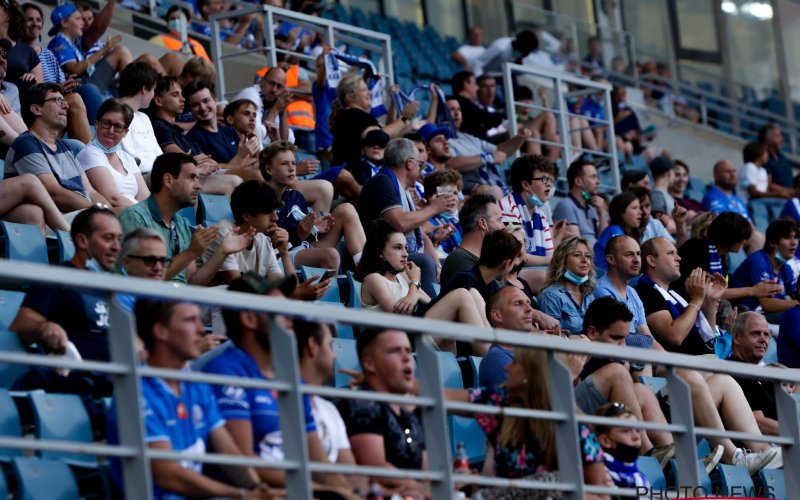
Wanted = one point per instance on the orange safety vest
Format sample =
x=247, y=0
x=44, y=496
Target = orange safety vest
x=175, y=44
x=299, y=114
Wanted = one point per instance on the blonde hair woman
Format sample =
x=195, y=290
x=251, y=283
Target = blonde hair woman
x=570, y=284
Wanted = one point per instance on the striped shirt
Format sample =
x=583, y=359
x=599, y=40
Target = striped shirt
x=536, y=226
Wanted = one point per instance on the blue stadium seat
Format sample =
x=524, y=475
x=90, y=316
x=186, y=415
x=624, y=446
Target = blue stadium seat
x=655, y=383
x=355, y=291
x=475, y=364
x=771, y=356
x=731, y=476
x=451, y=372
x=9, y=305
x=190, y=214
x=332, y=295
x=772, y=484
x=212, y=208
x=9, y=372
x=24, y=242
x=38, y=478
x=3, y=486
x=66, y=247
x=202, y=361
x=466, y=430
x=343, y=330
x=9, y=426
x=705, y=480
x=650, y=467
x=62, y=417
x=346, y=357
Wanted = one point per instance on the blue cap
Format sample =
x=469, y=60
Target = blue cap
x=59, y=14
x=430, y=130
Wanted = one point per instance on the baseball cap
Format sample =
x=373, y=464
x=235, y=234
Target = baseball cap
x=376, y=138
x=59, y=14
x=429, y=131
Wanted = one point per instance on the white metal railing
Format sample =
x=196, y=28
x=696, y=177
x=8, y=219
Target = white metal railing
x=558, y=82
x=135, y=455
x=334, y=33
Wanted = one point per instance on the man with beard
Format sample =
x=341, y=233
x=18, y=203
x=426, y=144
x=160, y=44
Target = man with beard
x=175, y=184
x=624, y=263
x=271, y=98
x=583, y=206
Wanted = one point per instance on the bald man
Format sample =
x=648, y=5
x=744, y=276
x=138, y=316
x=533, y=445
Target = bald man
x=721, y=197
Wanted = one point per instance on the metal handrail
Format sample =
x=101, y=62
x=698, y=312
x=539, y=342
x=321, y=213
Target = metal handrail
x=334, y=32
x=562, y=113
x=431, y=400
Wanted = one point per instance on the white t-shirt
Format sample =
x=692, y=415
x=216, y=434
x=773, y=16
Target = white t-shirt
x=470, y=53
x=330, y=427
x=91, y=157
x=260, y=258
x=253, y=94
x=752, y=175
x=140, y=142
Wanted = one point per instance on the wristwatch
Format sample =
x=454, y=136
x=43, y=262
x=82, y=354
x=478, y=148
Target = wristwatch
x=416, y=284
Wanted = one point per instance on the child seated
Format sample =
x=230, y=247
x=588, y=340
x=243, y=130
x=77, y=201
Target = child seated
x=621, y=448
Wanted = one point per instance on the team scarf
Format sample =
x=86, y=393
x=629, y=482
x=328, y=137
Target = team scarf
x=715, y=260
x=371, y=76
x=443, y=116
x=677, y=305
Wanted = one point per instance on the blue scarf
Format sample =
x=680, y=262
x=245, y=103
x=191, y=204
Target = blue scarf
x=443, y=116
x=715, y=260
x=677, y=305
x=371, y=77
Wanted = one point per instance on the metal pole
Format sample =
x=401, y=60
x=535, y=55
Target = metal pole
x=612, y=143
x=562, y=399
x=680, y=399
x=563, y=121
x=273, y=56
x=511, y=111
x=789, y=426
x=783, y=74
x=291, y=415
x=127, y=397
x=216, y=56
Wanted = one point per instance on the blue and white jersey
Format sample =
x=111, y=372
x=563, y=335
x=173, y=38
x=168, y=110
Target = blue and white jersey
x=716, y=201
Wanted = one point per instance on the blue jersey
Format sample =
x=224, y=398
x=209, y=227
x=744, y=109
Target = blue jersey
x=258, y=406
x=756, y=268
x=605, y=288
x=716, y=201
x=183, y=420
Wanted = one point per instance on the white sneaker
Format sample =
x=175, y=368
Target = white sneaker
x=771, y=458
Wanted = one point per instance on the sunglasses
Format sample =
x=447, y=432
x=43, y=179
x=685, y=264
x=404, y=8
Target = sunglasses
x=152, y=260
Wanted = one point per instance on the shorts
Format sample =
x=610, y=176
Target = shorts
x=302, y=246
x=103, y=75
x=329, y=175
x=588, y=398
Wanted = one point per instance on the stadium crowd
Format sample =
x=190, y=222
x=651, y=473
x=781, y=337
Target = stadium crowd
x=430, y=216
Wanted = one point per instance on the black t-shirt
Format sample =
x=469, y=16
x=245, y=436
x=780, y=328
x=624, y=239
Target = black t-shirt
x=760, y=394
x=378, y=195
x=459, y=260
x=83, y=315
x=403, y=436
x=347, y=130
x=654, y=302
x=21, y=59
x=476, y=120
x=593, y=365
x=469, y=280
x=168, y=133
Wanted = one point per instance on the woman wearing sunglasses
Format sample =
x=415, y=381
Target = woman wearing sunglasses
x=111, y=171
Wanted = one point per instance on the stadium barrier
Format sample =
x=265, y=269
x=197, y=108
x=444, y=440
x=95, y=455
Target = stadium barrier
x=134, y=454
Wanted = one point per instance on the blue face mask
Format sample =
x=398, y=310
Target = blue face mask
x=780, y=258
x=449, y=216
x=93, y=266
x=104, y=149
x=535, y=201
x=575, y=279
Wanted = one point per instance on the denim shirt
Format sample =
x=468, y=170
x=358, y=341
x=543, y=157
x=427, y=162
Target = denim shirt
x=556, y=301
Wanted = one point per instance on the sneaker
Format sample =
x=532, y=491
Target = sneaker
x=771, y=458
x=712, y=459
x=663, y=454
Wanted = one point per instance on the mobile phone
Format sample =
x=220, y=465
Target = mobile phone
x=329, y=273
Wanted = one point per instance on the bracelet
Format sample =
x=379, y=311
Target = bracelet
x=695, y=306
x=243, y=493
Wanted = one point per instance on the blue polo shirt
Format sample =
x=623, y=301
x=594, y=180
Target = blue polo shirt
x=755, y=269
x=556, y=301
x=183, y=420
x=492, y=370
x=716, y=201
x=605, y=288
x=258, y=406
x=789, y=338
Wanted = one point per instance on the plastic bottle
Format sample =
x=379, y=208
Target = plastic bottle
x=461, y=462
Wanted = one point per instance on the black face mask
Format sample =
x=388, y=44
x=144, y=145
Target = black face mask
x=389, y=269
x=624, y=453
x=516, y=269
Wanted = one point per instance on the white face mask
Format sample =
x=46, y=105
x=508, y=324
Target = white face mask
x=174, y=25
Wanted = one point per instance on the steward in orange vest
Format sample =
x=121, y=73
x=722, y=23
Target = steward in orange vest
x=299, y=113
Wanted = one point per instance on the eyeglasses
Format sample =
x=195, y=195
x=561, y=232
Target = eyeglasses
x=615, y=409
x=108, y=124
x=545, y=179
x=152, y=260
x=60, y=101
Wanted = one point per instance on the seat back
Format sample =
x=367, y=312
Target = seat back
x=61, y=417
x=355, y=291
x=24, y=242
x=199, y=363
x=212, y=208
x=705, y=479
x=332, y=295
x=9, y=372
x=66, y=247
x=346, y=357
x=38, y=478
x=735, y=479
x=190, y=214
x=772, y=483
x=650, y=467
x=9, y=426
x=9, y=306
x=451, y=372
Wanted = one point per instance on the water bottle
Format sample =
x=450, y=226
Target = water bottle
x=461, y=462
